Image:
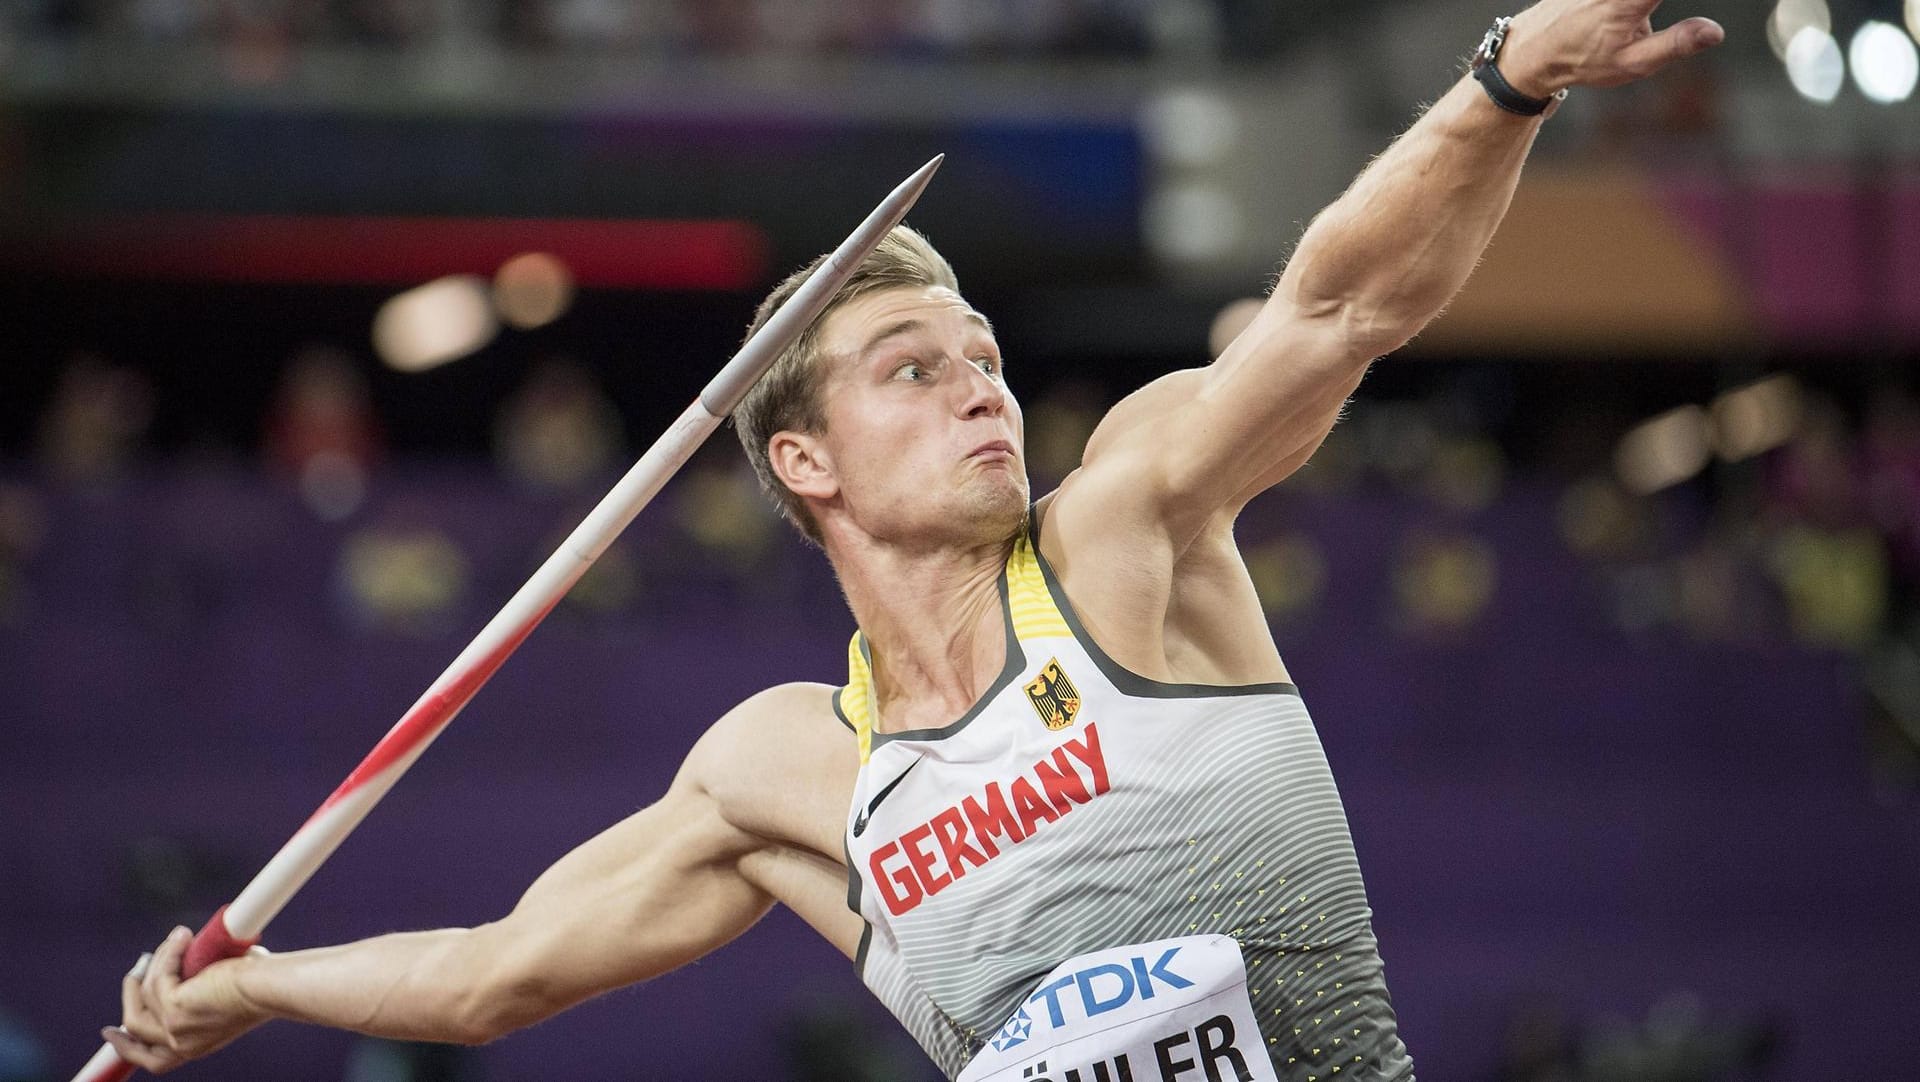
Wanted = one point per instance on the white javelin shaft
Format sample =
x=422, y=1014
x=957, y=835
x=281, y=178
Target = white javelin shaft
x=289, y=870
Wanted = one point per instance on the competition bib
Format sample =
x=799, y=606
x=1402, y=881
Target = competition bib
x=1171, y=1010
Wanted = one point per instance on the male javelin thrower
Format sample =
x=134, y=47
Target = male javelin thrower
x=1067, y=815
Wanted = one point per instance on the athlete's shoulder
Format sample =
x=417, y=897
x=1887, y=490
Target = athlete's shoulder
x=795, y=712
x=779, y=765
x=787, y=732
x=788, y=700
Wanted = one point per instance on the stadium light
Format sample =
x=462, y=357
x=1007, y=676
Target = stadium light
x=430, y=325
x=1756, y=418
x=1792, y=16
x=1664, y=451
x=1815, y=65
x=1885, y=65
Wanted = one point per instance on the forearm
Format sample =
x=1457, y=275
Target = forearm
x=425, y=986
x=1390, y=253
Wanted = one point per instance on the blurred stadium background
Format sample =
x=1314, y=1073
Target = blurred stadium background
x=322, y=320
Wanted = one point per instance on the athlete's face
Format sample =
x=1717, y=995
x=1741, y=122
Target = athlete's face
x=923, y=440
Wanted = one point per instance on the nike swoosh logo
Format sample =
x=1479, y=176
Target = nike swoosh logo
x=860, y=821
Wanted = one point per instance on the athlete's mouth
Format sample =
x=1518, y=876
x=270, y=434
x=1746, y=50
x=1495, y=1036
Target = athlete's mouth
x=994, y=448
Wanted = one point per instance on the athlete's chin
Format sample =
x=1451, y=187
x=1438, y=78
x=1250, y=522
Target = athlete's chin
x=996, y=503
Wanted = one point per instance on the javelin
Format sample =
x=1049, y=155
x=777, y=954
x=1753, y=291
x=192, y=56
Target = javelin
x=237, y=926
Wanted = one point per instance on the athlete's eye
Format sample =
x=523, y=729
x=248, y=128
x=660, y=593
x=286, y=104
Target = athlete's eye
x=989, y=365
x=912, y=371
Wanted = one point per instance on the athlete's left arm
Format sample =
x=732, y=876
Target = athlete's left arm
x=1371, y=271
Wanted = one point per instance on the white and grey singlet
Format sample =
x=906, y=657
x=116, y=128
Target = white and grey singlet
x=1095, y=877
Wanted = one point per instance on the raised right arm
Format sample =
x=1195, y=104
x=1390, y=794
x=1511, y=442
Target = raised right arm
x=651, y=893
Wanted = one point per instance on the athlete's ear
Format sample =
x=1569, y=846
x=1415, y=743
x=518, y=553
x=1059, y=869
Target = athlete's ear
x=801, y=463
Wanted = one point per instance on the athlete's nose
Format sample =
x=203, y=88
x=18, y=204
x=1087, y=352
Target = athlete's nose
x=983, y=395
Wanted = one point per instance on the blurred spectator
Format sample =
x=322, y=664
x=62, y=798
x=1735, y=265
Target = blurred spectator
x=835, y=1042
x=1814, y=478
x=1599, y=519
x=722, y=26
x=1823, y=551
x=323, y=408
x=1892, y=466
x=610, y=587
x=322, y=432
x=1336, y=467
x=1290, y=573
x=167, y=20
x=377, y=1060
x=1678, y=1041
x=257, y=38
x=22, y=530
x=99, y=414
x=1671, y=116
x=1835, y=582
x=169, y=880
x=605, y=24
x=559, y=430
x=402, y=579
x=192, y=565
x=1398, y=440
x=721, y=509
x=1721, y=593
x=1443, y=581
x=1465, y=473
x=386, y=22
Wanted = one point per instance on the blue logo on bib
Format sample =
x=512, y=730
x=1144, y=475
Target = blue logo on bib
x=1017, y=1030
x=1105, y=987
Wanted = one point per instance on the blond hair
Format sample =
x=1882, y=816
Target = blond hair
x=787, y=398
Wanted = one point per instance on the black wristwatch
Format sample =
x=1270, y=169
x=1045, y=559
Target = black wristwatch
x=1496, y=85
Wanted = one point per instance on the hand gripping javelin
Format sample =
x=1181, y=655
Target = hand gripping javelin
x=237, y=926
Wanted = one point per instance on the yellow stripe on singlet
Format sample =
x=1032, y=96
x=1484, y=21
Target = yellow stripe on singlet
x=1035, y=616
x=856, y=699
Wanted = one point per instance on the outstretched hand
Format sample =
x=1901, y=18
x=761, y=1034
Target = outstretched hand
x=1563, y=43
x=167, y=1021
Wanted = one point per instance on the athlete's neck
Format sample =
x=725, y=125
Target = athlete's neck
x=933, y=625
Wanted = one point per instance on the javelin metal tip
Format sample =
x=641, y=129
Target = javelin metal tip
x=910, y=188
x=726, y=390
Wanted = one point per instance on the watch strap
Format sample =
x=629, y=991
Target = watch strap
x=1506, y=97
x=1486, y=70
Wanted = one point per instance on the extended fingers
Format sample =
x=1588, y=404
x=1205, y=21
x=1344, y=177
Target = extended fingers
x=136, y=1014
x=164, y=977
x=140, y=1039
x=157, y=979
x=1686, y=38
x=147, y=1057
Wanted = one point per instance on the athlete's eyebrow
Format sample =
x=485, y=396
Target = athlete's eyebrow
x=908, y=326
x=905, y=326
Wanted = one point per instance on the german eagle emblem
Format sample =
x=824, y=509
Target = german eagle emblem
x=1054, y=696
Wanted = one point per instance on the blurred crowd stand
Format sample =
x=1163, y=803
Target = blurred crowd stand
x=1815, y=545
x=871, y=28
x=1819, y=539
